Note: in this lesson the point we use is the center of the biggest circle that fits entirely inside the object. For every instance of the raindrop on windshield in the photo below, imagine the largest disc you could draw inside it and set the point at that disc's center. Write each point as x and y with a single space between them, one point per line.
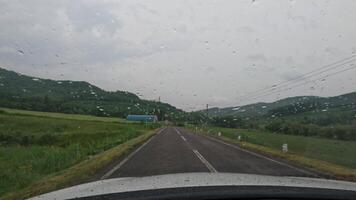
21 52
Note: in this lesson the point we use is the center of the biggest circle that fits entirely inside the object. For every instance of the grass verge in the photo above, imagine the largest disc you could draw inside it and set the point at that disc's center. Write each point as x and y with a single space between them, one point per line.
78 172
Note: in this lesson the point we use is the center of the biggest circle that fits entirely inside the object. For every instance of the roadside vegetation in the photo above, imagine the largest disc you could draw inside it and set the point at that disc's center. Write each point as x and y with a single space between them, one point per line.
36 145
317 148
320 132
335 157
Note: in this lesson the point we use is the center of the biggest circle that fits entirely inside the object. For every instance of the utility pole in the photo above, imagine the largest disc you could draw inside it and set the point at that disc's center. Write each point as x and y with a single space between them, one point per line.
207 110
207 114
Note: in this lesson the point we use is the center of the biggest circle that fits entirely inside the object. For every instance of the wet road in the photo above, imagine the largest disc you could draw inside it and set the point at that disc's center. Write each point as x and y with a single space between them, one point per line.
177 150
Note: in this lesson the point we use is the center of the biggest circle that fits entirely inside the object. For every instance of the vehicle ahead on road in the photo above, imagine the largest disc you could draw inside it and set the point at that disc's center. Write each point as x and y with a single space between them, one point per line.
207 186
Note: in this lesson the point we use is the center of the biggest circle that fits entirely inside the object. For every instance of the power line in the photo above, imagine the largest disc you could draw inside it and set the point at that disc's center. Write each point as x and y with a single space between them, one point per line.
306 75
298 85
310 74
304 78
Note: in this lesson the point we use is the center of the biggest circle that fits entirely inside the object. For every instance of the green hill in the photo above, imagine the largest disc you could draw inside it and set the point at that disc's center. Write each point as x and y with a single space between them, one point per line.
288 106
79 97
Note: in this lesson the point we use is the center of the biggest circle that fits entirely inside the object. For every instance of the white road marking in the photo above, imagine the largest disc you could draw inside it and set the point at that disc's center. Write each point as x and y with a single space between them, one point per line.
110 172
204 161
196 152
178 131
267 158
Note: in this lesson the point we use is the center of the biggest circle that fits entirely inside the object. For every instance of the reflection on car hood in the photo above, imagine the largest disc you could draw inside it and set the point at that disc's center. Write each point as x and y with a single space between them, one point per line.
119 185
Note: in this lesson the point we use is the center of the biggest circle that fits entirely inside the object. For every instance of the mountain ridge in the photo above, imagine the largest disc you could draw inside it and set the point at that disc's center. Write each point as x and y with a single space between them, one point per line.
32 93
263 108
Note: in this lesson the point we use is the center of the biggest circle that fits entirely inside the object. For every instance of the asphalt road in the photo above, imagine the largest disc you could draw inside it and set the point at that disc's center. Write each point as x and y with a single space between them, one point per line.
177 150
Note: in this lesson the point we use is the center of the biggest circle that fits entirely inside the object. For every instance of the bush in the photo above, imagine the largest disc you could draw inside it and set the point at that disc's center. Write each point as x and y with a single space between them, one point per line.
294 128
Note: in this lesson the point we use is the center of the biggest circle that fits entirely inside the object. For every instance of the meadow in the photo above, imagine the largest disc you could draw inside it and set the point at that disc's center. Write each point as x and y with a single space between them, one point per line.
34 145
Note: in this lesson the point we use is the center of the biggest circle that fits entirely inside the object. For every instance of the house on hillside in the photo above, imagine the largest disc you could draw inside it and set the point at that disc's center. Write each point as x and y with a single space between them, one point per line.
142 118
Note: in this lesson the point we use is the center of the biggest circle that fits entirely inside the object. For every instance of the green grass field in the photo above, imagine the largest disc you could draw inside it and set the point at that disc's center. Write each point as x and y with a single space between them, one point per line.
63 116
332 151
34 145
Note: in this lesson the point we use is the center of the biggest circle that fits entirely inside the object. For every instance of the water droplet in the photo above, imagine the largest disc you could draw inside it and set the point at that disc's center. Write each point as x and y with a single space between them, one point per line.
236 108
21 52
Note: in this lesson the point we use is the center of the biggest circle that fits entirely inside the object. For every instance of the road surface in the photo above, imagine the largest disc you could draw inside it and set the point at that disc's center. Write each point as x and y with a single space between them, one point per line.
177 150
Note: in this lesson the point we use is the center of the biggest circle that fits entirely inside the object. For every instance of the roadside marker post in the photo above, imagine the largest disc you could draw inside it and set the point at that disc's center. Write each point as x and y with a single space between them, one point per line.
285 148
239 138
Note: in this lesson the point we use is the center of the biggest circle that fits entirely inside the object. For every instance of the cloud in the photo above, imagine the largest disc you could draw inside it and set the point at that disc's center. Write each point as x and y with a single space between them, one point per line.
245 29
257 58
160 46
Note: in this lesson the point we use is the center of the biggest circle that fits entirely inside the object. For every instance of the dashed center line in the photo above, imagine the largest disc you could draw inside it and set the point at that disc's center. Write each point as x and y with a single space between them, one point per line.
196 152
204 161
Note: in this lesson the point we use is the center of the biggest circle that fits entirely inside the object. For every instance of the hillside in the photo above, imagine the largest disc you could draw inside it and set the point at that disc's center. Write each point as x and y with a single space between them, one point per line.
291 105
79 97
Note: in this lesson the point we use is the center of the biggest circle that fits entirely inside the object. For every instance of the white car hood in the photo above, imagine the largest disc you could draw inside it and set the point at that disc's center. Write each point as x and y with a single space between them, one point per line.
119 185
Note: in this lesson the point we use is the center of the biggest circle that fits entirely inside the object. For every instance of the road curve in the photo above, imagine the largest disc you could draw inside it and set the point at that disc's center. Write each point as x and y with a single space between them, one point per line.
177 150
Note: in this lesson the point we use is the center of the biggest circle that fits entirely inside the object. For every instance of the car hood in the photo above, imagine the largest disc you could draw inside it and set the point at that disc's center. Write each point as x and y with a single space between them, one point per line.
119 185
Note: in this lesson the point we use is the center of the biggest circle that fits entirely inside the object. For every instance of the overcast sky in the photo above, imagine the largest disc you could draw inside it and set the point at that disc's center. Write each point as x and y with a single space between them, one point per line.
188 52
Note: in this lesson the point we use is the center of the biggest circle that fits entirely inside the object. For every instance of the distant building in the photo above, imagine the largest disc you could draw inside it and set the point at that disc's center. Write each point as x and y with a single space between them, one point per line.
142 118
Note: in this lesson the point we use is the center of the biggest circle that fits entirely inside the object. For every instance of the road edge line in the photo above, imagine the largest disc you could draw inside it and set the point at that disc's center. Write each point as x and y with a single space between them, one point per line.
118 166
264 157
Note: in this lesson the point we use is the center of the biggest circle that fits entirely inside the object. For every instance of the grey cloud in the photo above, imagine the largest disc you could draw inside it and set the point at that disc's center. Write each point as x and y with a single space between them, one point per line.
86 16
245 29
139 45
257 58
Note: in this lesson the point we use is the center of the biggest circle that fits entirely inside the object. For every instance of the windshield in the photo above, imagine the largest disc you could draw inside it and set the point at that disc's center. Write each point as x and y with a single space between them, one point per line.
94 90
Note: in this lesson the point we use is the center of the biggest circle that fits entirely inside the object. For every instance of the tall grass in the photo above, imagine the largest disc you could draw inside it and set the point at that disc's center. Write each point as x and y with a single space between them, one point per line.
35 146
